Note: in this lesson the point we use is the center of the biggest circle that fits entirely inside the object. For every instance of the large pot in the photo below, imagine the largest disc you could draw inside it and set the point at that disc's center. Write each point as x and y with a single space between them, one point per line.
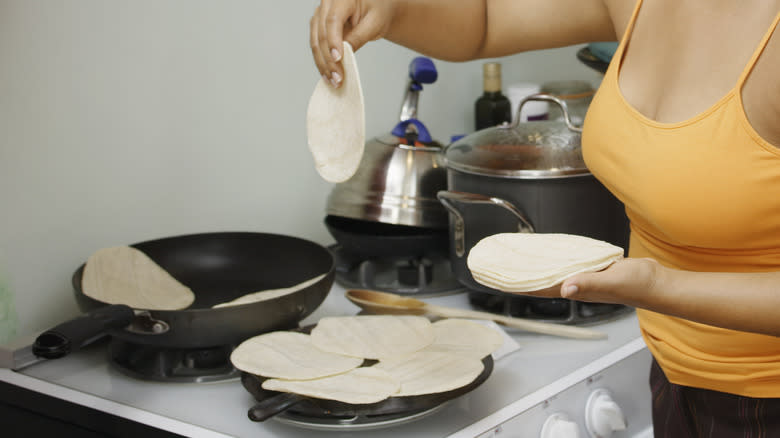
527 177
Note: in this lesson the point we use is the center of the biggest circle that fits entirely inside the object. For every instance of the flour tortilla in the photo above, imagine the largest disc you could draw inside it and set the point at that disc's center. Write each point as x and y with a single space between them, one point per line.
524 262
373 336
289 355
431 372
358 386
125 275
464 337
336 125
269 294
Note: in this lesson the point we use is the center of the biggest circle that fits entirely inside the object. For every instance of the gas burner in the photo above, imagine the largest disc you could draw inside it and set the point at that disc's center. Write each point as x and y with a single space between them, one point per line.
358 422
548 309
172 365
428 275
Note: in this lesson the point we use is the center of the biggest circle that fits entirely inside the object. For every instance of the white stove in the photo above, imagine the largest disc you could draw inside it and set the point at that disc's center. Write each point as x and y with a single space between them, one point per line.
548 383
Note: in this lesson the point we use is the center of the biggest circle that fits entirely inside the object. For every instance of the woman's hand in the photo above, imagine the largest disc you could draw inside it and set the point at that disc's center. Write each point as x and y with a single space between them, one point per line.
354 21
626 281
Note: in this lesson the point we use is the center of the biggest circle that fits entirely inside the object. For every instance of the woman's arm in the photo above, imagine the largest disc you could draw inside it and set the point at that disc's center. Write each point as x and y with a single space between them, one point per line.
740 301
455 30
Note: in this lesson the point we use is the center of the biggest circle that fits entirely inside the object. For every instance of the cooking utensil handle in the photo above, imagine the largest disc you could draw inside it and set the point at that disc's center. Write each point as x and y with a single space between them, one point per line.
76 333
524 324
446 197
271 406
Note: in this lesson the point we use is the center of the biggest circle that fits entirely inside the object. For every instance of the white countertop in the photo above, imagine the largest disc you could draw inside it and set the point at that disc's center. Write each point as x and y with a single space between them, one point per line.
219 409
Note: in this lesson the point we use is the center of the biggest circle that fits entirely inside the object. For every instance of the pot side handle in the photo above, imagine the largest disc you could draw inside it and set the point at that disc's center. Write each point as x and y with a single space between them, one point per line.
448 197
83 330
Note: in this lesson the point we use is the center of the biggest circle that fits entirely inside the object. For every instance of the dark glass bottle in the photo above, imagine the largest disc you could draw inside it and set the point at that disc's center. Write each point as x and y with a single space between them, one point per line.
492 108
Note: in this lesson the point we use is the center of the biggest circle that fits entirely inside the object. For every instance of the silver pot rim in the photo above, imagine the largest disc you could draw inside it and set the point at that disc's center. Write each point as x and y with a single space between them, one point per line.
520 174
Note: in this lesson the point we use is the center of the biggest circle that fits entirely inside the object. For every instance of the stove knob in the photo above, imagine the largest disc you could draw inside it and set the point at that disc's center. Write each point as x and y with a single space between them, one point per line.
559 426
602 415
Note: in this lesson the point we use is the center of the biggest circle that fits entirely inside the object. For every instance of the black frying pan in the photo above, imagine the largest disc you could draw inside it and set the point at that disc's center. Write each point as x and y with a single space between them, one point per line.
218 267
272 403
366 239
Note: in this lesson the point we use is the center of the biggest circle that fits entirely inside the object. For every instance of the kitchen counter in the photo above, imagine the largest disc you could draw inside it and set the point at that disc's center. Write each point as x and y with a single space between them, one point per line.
543 366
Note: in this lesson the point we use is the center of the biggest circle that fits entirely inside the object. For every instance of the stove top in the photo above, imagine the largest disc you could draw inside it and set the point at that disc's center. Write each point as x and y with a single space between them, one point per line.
171 364
357 422
429 275
219 409
557 310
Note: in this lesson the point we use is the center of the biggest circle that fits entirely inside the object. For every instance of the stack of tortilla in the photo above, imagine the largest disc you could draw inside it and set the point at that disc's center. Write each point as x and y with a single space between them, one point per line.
524 262
414 356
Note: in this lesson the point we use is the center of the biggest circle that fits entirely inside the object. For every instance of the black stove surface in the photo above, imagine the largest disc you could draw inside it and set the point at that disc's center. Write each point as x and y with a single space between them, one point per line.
424 275
171 364
547 309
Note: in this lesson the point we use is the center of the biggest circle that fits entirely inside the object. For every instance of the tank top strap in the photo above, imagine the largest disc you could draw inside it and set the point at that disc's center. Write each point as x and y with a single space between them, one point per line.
621 50
757 52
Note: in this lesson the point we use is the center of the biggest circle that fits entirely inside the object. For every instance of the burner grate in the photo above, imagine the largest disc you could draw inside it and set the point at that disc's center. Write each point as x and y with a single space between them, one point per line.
424 276
172 365
358 422
556 310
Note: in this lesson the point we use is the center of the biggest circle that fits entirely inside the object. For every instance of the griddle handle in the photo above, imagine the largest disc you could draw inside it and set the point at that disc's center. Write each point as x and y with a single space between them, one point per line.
83 330
271 406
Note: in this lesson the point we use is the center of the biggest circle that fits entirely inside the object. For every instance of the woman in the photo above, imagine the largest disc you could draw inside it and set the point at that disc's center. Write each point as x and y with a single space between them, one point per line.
684 130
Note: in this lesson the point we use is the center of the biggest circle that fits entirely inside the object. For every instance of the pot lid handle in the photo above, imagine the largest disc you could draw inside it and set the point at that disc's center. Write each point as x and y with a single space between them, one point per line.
548 98
401 129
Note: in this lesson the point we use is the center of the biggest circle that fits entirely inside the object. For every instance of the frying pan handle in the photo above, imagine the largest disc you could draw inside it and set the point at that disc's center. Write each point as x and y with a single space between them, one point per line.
83 330
271 406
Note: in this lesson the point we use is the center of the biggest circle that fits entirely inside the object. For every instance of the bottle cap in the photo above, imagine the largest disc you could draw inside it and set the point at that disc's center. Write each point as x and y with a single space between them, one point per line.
491 72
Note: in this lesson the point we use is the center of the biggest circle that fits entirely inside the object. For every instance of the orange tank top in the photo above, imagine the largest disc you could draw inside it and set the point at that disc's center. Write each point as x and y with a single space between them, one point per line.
701 195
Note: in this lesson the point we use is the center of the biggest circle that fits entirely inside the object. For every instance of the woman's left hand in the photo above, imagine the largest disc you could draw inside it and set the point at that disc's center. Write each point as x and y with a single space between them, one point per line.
622 282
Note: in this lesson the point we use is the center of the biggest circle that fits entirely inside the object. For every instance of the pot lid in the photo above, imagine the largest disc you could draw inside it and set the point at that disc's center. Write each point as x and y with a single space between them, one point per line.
532 150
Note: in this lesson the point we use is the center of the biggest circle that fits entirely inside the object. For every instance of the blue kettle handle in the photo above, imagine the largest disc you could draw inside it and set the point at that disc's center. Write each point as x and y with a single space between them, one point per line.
422 132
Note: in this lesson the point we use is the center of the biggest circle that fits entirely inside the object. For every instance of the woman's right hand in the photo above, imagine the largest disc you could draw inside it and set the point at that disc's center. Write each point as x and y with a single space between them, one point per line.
354 21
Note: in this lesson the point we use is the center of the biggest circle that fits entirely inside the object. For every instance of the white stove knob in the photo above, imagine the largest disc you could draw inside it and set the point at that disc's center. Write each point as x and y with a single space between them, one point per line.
559 426
602 415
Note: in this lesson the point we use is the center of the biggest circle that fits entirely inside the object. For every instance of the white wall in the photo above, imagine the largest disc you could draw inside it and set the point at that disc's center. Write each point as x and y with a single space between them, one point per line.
123 121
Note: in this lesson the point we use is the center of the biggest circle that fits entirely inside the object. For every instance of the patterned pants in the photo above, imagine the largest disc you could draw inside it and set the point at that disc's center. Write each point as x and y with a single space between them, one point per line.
685 412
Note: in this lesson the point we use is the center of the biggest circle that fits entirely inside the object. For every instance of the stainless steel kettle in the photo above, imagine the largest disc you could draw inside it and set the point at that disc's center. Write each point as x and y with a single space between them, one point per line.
400 172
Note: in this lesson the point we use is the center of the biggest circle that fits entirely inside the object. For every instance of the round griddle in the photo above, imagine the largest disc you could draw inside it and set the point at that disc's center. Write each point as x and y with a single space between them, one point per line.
271 403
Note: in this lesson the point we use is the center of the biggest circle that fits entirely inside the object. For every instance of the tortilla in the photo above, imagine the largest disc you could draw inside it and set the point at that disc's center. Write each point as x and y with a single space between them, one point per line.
269 294
464 337
430 372
359 386
125 275
373 336
289 355
524 262
335 123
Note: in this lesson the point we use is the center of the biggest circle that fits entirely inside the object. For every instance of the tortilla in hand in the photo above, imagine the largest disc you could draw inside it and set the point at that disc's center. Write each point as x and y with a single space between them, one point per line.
525 262
336 123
